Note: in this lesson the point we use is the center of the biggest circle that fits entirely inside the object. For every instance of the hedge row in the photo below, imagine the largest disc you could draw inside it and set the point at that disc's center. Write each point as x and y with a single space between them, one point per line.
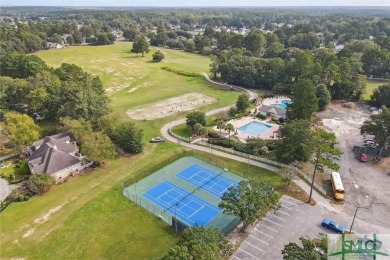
181 72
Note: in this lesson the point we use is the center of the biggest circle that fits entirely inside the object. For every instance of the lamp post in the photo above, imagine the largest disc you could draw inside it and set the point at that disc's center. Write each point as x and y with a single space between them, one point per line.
176 217
360 207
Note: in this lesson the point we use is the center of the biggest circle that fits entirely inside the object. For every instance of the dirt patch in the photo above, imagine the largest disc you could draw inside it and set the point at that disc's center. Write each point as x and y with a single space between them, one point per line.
146 84
363 182
169 106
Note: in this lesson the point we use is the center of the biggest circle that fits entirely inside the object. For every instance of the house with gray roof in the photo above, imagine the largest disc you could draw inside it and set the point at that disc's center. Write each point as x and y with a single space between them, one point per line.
276 112
56 155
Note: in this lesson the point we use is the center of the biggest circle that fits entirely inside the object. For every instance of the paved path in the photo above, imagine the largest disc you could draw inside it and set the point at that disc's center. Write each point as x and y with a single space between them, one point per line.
6 189
252 94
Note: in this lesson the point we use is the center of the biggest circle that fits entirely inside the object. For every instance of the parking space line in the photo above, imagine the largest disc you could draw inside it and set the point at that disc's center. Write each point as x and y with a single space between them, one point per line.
284 213
259 240
273 214
236 257
270 228
286 207
289 202
254 246
264 233
273 222
248 253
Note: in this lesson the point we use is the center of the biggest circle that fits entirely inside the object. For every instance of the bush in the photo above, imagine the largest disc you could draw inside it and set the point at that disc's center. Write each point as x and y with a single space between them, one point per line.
20 197
281 120
259 115
158 56
232 111
40 183
26 197
18 180
18 164
129 137
223 142
13 196
181 72
213 134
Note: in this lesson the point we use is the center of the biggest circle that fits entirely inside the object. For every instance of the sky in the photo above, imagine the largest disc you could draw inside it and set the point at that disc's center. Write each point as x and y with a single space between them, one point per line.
188 3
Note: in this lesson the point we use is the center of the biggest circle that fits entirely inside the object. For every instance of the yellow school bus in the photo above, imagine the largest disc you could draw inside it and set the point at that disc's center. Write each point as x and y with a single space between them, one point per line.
337 185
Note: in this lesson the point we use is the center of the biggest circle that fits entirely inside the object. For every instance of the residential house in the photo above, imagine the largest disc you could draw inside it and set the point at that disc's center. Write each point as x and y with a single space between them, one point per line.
276 112
56 155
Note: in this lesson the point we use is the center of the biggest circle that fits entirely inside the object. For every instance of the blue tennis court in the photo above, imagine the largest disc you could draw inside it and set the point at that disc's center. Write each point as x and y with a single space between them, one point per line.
206 179
190 208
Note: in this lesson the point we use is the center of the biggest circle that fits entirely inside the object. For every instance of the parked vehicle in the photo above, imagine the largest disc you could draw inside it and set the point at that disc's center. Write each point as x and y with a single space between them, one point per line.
329 224
157 139
369 141
363 157
337 185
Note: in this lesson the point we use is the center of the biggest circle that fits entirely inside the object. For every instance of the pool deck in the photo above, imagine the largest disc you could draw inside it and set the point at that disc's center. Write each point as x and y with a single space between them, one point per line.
237 123
274 100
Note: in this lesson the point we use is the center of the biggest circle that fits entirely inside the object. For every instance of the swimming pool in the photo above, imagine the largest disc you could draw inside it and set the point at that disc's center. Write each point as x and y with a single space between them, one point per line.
283 104
254 128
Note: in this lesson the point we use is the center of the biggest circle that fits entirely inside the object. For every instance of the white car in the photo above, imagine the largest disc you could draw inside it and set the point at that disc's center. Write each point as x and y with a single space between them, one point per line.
157 139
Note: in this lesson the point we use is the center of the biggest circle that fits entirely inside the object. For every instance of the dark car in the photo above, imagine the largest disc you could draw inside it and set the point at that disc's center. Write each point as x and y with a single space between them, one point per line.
329 224
157 139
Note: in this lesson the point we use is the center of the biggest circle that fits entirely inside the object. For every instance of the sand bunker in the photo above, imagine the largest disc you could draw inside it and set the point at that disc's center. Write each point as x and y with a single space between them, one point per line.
169 106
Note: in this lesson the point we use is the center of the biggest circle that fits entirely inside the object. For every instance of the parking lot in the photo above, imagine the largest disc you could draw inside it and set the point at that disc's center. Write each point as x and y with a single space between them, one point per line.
293 220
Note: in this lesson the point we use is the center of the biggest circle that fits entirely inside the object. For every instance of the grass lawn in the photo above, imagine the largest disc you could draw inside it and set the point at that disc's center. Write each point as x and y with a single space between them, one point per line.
371 85
10 169
87 216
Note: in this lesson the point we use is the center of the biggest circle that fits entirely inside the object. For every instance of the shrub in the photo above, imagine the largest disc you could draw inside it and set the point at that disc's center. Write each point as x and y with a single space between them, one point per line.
40 183
18 180
17 165
232 111
281 120
158 56
20 197
223 142
259 115
13 196
26 197
181 72
213 134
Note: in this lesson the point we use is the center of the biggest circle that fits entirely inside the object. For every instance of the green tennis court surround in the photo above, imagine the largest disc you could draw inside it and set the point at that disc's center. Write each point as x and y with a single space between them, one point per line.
189 190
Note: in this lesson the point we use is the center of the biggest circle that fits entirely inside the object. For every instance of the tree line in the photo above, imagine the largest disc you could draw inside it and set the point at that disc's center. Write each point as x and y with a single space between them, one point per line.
67 95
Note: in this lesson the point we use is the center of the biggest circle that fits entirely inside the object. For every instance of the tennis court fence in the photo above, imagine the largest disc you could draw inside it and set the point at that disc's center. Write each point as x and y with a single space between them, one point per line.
151 207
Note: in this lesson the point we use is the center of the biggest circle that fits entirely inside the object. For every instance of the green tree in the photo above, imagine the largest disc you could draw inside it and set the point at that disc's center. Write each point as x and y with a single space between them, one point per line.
20 129
177 252
200 243
229 128
158 56
189 45
315 249
97 146
128 137
221 125
242 103
324 153
323 96
195 117
379 125
203 132
40 183
248 200
140 45
381 95
295 143
37 97
305 102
